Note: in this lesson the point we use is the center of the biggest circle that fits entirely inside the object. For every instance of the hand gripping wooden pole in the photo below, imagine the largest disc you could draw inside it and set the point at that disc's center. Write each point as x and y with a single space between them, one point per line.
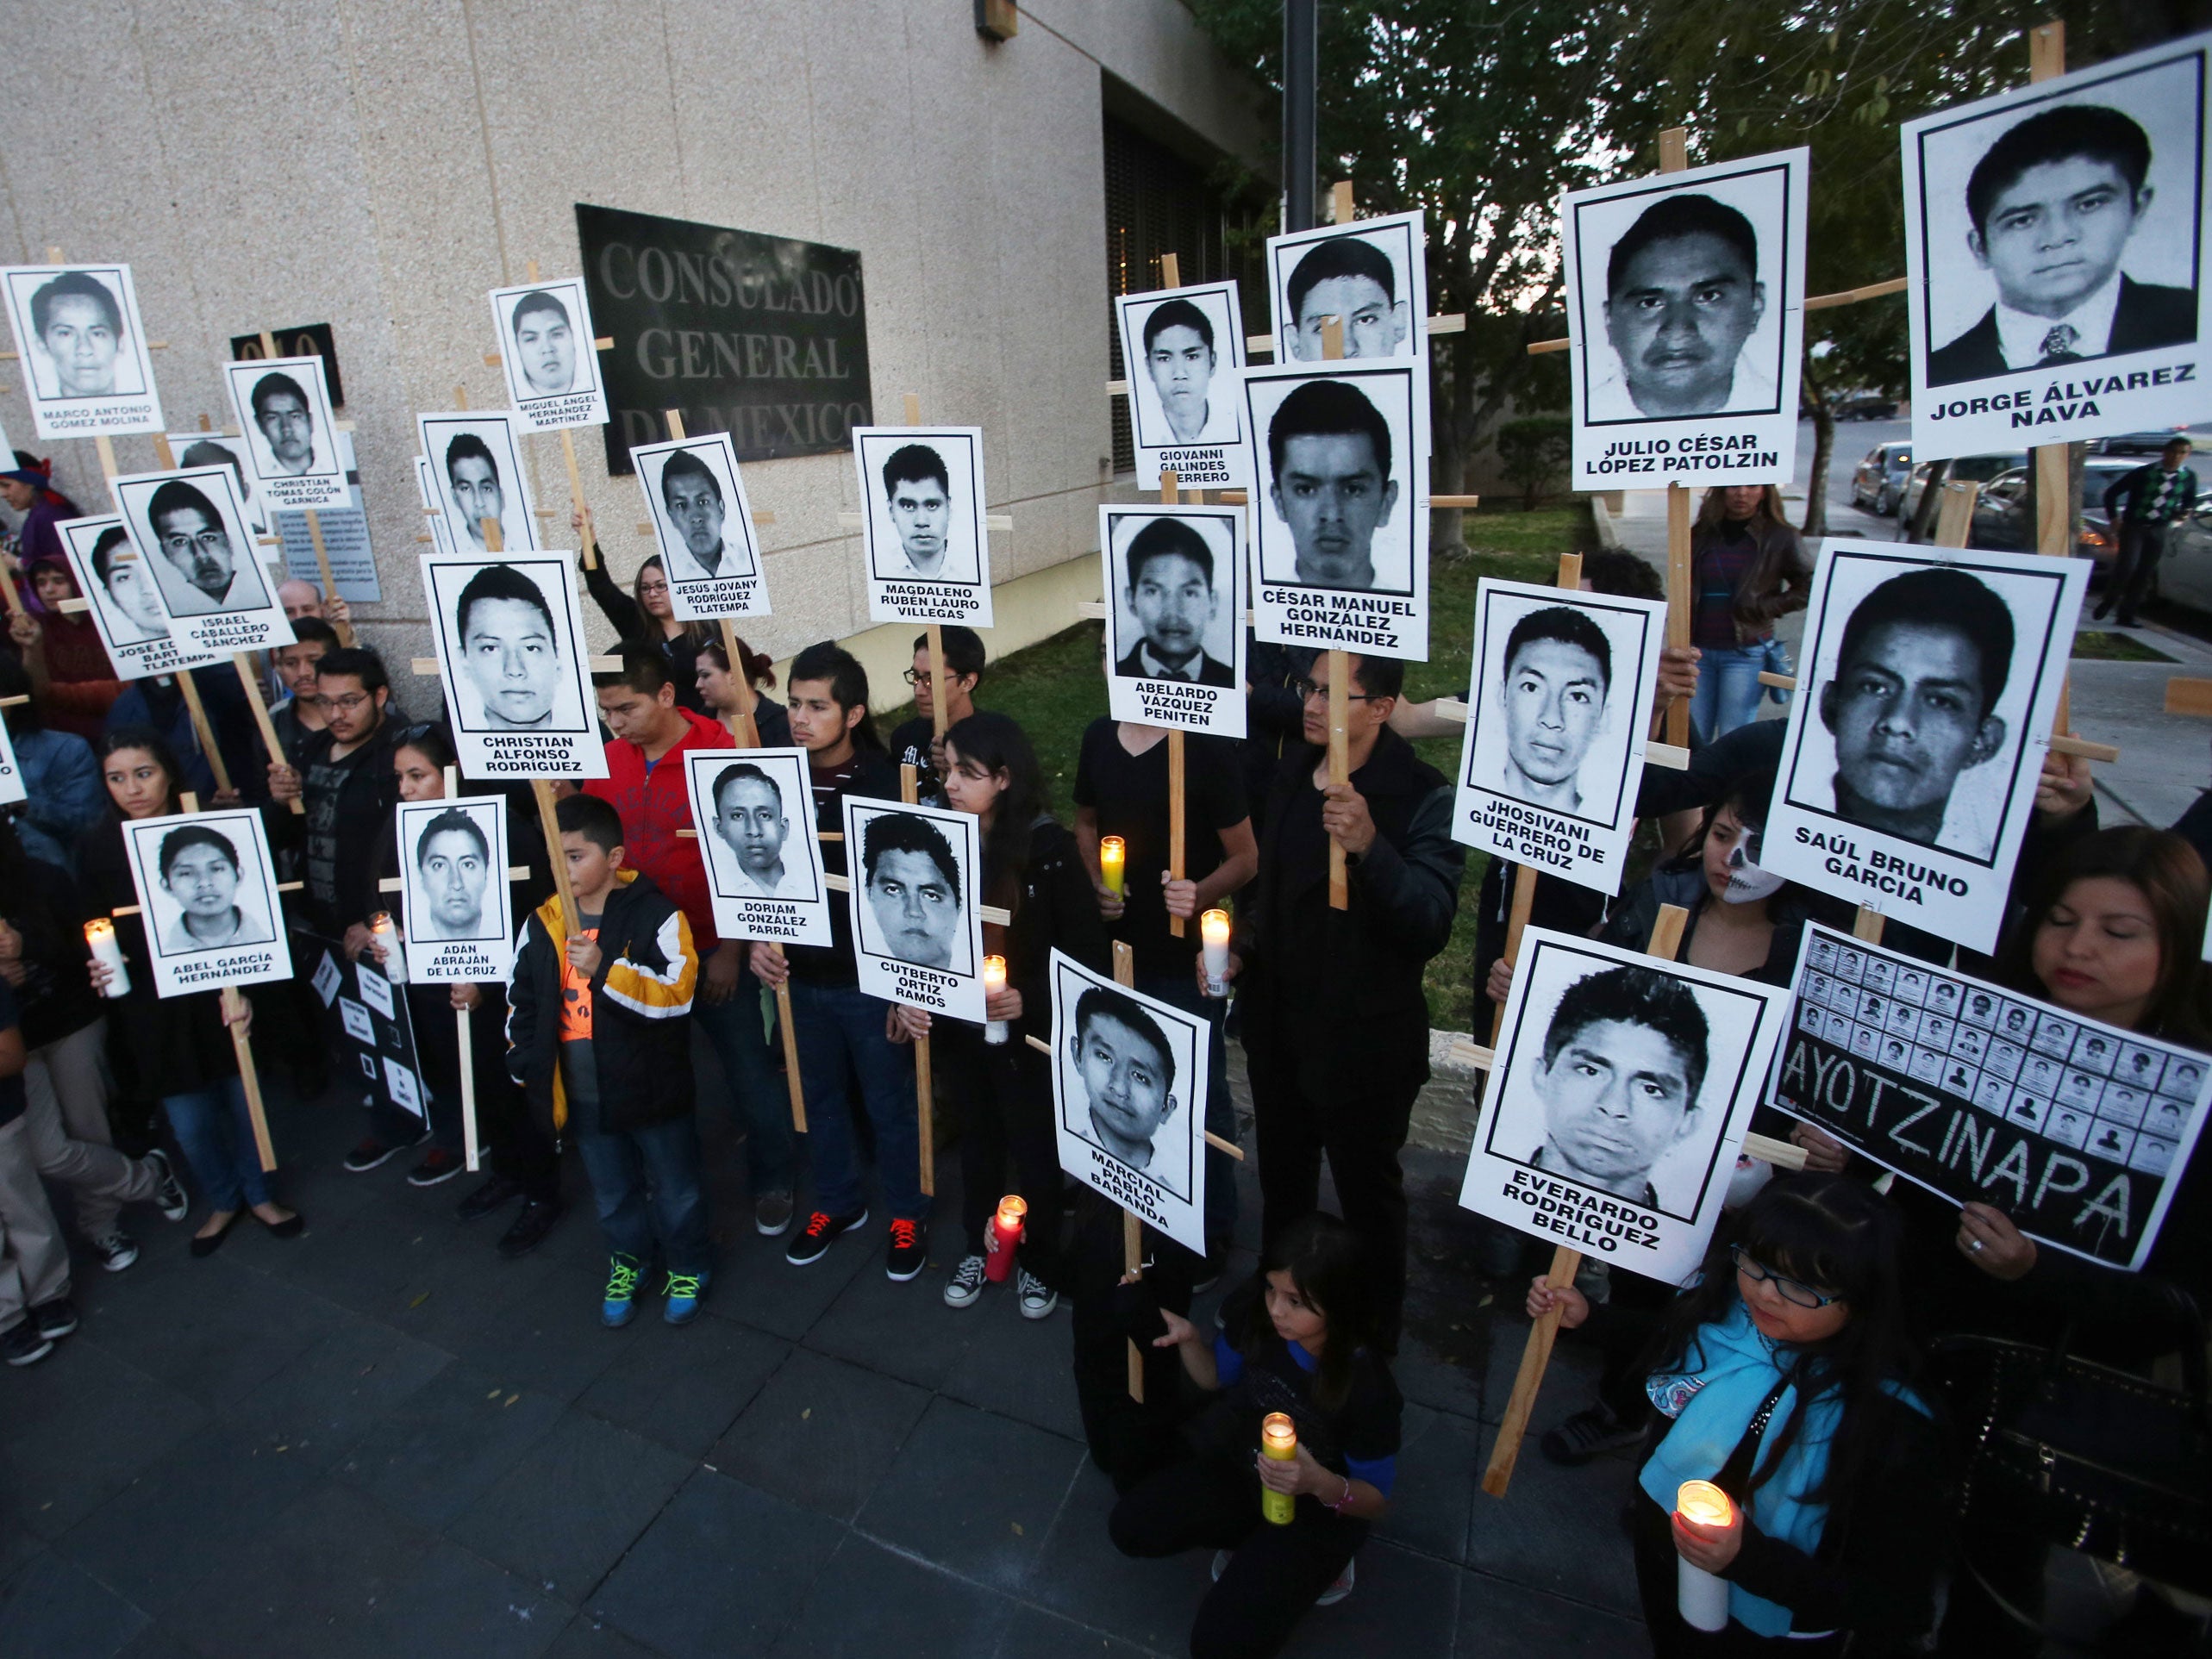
1132 1227
925 1093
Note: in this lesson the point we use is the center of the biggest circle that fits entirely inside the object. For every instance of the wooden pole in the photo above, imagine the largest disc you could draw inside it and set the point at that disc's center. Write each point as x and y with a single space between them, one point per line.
1177 850
925 1099
1132 1227
345 630
1340 661
1673 149
232 1003
466 1044
1666 940
2054 487
243 662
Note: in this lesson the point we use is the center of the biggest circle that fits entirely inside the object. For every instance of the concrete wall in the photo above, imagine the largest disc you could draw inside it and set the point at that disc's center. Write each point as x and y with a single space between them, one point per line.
382 164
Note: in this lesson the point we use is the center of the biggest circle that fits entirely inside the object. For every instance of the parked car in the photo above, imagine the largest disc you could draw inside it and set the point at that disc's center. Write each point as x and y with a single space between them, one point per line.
1965 468
2185 574
2004 514
2136 443
1880 479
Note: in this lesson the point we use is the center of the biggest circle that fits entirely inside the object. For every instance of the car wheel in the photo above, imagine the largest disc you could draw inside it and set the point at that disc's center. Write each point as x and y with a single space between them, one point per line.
1884 504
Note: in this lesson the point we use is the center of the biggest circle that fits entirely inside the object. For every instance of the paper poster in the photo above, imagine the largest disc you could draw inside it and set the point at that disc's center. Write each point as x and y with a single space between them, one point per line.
1183 348
189 528
1618 1102
923 524
1130 1099
753 810
1928 681
546 347
283 408
1371 275
1685 308
2076 1130
375 1041
1341 541
126 606
476 468
82 350
1558 702
207 892
704 526
12 788
229 449
1175 615
2054 253
345 531
455 903
917 936
511 657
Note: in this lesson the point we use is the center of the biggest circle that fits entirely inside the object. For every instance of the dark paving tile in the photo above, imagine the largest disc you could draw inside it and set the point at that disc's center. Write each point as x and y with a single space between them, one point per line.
548 1334
156 1642
756 1285
78 1428
721 1573
54 1606
821 1433
1500 1620
1018 1368
1557 1530
684 1389
326 1398
973 1493
441 1449
563 1516
1034 1632
19 1548
1149 1604
591 1636
1401 1603
1439 1469
456 1279
359 1258
869 1601
457 1602
231 1329
1445 1381
904 1329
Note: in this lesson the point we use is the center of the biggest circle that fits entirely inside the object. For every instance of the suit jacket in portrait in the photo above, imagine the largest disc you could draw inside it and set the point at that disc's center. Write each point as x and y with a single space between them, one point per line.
1210 671
2147 316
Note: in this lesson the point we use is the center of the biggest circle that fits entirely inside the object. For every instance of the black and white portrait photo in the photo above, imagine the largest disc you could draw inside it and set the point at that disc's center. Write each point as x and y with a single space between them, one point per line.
291 439
189 527
545 345
476 467
83 351
1371 277
453 872
126 606
922 522
918 936
704 526
1928 682
1340 539
2055 240
207 892
1128 1093
1618 1101
1685 302
753 810
1175 615
229 449
1558 702
1184 347
511 657
12 786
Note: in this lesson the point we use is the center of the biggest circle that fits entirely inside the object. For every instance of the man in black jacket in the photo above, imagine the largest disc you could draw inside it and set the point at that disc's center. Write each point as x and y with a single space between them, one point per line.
1336 1020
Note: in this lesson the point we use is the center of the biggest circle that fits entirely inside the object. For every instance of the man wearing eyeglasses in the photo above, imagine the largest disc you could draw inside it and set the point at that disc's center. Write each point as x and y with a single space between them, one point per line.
199 571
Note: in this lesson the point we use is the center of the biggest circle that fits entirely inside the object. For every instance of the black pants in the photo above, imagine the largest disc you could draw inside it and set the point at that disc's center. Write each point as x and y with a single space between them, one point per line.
1658 1585
1005 1093
1127 1440
2135 567
1276 1573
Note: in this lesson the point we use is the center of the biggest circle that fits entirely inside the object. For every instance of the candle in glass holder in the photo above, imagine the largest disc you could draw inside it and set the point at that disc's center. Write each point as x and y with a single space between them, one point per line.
100 935
994 981
1278 1439
386 934
1112 856
1005 1234
1214 933
1702 1597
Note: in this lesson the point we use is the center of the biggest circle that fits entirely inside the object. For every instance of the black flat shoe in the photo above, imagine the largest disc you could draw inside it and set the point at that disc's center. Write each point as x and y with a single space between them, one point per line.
291 1227
208 1245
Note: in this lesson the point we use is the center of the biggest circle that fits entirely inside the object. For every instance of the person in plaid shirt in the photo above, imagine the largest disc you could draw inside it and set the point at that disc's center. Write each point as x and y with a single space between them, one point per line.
2139 507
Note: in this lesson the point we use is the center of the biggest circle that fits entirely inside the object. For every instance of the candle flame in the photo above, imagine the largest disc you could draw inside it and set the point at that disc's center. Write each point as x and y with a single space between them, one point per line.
1279 1432
98 928
1703 1502
1214 927
1011 1209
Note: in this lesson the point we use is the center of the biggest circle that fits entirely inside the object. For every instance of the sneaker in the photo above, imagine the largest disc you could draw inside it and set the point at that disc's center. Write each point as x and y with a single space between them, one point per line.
439 1165
493 1195
821 1231
772 1215
369 1154
621 1306
909 1250
1590 1432
22 1344
55 1318
1038 1300
531 1228
1338 1591
966 1283
116 1250
170 1193
684 1291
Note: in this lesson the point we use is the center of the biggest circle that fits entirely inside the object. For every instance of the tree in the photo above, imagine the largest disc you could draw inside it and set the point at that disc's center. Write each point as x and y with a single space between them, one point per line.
1531 451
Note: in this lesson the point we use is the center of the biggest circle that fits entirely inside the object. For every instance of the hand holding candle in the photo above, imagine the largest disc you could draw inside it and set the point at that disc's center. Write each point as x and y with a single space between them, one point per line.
1112 859
100 936
1005 1237
1278 1442
1701 1510
993 981
1214 934
386 934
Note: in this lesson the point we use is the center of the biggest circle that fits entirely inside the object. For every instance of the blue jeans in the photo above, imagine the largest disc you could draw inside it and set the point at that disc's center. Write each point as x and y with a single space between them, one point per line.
843 1047
763 1105
217 1132
1728 690
665 1159
1182 991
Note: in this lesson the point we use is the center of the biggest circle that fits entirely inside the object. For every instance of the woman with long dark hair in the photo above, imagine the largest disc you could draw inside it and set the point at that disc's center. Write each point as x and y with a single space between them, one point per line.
646 616
1748 567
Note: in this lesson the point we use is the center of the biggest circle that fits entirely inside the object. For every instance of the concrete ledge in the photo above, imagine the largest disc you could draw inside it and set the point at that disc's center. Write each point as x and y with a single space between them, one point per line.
1601 514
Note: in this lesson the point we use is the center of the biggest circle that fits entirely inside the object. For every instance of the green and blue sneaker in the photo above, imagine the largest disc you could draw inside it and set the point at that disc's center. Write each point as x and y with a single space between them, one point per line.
621 1306
684 1291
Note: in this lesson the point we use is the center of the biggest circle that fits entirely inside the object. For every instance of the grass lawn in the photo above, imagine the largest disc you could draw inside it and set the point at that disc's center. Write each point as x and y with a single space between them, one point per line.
2102 645
1058 687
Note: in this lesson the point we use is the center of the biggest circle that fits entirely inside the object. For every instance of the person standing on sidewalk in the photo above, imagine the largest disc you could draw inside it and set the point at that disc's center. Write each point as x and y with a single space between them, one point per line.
2141 505
1747 568
35 1306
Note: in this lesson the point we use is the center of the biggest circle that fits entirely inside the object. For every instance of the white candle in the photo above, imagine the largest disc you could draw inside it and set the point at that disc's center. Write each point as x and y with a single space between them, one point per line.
994 981
100 934
1214 934
1702 1597
395 953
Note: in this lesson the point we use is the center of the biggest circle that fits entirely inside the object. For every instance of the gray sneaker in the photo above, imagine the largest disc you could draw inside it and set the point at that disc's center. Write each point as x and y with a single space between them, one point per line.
1038 1301
170 1193
772 1215
966 1283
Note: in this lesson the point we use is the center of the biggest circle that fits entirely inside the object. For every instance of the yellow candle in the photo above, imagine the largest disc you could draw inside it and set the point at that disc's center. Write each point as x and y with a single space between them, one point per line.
1112 855
1279 1440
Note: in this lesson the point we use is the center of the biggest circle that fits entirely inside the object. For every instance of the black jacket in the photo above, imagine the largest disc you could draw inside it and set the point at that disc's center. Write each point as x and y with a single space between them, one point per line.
1057 910
341 873
681 652
1211 670
2146 317
876 778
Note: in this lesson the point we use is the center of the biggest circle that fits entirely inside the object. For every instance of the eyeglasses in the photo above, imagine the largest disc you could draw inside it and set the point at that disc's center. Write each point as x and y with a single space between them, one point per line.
1792 1291
1307 689
345 705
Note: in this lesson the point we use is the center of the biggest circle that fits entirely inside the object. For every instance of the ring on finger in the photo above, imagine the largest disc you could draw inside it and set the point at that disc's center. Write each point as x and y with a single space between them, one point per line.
1974 1246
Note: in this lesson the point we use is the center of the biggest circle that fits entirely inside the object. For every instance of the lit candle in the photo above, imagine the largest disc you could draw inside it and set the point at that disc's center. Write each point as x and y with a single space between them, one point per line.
1214 930
1278 1439
994 981
1702 1597
1004 1236
100 934
386 934
1112 853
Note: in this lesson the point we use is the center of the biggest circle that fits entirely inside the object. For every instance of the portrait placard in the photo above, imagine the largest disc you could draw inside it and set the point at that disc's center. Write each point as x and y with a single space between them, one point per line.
545 347
1685 312
1175 615
704 526
1928 682
917 936
225 449
86 370
1341 540
290 436
2055 239
457 905
1558 702
1129 1098
753 811
125 605
365 1022
1618 1102
189 528
511 657
921 524
476 468
2076 1130
1183 348
207 892
12 788
1372 275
